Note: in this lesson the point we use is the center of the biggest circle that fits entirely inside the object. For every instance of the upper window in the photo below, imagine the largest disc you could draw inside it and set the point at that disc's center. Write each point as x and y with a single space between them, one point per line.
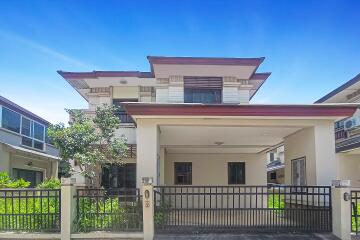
32 133
202 89
10 120
236 173
183 173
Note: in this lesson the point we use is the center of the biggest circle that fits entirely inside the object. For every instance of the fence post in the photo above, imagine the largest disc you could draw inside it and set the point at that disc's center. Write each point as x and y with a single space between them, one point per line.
341 209
68 207
148 208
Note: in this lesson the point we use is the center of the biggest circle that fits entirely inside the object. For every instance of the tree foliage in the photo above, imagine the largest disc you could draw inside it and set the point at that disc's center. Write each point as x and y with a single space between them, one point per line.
89 142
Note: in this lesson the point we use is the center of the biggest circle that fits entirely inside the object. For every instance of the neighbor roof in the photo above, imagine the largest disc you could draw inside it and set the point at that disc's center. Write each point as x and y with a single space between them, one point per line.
339 89
13 106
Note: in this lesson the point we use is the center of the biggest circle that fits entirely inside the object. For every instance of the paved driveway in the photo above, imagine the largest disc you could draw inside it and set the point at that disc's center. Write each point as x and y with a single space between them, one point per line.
260 236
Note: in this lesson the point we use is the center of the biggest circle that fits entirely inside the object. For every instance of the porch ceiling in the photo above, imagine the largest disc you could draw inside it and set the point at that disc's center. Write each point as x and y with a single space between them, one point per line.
221 139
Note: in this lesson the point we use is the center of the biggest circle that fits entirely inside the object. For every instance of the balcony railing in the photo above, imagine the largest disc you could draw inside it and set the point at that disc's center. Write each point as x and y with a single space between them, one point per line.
346 139
124 117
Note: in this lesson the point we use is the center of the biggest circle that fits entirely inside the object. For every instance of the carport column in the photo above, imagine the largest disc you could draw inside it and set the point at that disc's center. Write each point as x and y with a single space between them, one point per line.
147 158
148 208
68 207
341 209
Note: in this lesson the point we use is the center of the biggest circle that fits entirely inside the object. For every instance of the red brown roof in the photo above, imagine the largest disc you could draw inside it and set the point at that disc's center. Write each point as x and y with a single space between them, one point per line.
205 61
96 74
240 110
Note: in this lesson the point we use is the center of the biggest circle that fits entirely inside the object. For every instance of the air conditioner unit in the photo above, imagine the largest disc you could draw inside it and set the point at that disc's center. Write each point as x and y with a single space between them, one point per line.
351 123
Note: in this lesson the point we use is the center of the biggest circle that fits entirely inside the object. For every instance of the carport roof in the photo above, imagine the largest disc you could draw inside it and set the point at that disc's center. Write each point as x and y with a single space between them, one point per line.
254 110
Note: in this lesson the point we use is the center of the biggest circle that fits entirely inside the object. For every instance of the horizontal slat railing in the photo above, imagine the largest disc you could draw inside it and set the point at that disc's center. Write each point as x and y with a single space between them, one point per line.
31 210
117 209
243 208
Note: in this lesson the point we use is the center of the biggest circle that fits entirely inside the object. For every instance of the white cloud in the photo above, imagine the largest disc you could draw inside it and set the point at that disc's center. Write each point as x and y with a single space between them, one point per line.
46 50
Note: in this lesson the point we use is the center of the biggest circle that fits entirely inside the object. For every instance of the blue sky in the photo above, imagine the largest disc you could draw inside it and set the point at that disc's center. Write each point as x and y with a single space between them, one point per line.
311 47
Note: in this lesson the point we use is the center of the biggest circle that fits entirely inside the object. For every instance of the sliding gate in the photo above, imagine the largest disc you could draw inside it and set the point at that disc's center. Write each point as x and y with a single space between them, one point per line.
201 209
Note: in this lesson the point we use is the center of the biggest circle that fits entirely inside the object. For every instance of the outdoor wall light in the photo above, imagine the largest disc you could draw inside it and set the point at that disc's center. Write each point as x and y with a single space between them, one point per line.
347 196
147 194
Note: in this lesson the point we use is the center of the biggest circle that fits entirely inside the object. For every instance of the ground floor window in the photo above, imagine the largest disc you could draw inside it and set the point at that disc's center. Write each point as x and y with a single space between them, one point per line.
34 177
236 173
119 176
183 173
273 175
298 171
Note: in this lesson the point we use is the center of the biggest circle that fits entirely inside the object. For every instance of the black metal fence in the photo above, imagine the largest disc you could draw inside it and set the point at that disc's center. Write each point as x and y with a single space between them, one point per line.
355 211
31 210
243 208
112 210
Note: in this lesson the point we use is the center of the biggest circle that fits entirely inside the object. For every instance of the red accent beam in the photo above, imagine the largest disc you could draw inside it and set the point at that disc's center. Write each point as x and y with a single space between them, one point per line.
240 110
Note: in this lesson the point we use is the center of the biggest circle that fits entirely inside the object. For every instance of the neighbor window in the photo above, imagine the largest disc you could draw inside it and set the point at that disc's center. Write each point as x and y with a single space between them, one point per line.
236 173
183 173
34 177
115 176
10 120
32 133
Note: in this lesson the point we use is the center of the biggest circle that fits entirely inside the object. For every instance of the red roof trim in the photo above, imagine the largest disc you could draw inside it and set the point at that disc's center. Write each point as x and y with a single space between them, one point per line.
96 74
205 60
240 110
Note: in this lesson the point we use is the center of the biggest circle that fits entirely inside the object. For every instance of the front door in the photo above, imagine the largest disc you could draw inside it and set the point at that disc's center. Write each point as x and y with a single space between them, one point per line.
115 176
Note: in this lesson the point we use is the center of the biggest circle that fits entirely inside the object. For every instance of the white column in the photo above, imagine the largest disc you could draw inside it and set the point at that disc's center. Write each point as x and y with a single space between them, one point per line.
341 209
148 208
68 207
326 163
147 150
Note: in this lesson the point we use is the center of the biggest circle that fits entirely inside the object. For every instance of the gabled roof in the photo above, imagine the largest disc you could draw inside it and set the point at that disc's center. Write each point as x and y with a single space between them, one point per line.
13 106
339 89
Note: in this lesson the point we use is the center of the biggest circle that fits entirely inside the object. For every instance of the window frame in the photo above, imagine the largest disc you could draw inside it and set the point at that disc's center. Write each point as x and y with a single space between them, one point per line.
187 174
243 179
2 120
30 170
21 134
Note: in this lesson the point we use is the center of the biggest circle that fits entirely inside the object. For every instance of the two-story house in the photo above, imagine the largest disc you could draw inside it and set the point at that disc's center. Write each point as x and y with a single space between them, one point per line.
189 122
25 150
347 131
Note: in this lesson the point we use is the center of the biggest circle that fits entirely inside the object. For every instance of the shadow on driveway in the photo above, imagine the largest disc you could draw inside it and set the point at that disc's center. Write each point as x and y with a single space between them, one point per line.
259 236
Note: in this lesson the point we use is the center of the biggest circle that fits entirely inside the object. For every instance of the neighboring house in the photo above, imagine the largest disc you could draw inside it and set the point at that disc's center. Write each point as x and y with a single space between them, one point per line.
276 165
347 131
189 122
25 151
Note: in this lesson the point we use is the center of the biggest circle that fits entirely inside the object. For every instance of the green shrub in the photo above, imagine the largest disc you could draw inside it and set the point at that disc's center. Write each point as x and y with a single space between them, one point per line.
7 182
51 183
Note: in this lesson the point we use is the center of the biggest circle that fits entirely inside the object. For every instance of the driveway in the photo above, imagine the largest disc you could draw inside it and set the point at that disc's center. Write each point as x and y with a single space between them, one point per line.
259 236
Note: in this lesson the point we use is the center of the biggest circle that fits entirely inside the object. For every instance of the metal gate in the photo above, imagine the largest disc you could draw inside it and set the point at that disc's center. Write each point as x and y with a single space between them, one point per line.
201 209
355 212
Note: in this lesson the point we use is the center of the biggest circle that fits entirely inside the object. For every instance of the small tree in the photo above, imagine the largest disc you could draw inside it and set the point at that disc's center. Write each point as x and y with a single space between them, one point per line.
89 142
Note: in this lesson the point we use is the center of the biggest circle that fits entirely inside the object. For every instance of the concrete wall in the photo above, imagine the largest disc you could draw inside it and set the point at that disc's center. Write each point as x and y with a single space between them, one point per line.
211 169
297 145
349 168
317 145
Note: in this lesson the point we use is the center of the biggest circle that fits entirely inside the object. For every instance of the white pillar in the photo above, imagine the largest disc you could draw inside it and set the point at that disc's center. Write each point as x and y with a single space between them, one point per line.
148 208
68 207
341 209
147 138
